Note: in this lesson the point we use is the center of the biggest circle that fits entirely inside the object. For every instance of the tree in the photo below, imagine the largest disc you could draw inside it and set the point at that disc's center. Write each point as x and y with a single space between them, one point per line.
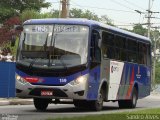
29 14
157 79
9 8
33 14
52 14
78 13
7 32
105 19
139 29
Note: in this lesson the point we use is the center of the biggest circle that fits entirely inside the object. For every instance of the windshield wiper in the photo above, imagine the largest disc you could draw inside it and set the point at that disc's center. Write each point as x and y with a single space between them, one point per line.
45 46
53 42
32 63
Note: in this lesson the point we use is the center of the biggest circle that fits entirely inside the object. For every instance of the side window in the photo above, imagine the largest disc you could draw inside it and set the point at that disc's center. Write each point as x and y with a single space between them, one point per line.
148 54
108 50
95 50
120 41
132 45
142 53
108 38
120 45
132 50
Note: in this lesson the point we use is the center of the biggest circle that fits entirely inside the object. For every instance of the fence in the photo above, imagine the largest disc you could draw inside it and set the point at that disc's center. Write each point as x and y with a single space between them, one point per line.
7 79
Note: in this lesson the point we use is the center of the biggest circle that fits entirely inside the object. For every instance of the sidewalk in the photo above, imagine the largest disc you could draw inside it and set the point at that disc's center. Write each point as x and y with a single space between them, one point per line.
154 95
15 101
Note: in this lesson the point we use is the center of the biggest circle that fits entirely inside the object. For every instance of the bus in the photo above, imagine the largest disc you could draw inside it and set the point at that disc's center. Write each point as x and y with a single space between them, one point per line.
83 62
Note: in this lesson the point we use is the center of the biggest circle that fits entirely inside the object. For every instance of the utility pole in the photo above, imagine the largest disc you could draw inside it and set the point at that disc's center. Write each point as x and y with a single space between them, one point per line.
68 7
149 18
60 8
65 8
155 40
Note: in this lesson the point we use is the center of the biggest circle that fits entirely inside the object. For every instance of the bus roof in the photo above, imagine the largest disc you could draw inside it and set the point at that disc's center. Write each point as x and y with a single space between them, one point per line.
81 21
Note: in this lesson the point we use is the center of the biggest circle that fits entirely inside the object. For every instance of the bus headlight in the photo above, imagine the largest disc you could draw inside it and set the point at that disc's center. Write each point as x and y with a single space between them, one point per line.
79 80
20 79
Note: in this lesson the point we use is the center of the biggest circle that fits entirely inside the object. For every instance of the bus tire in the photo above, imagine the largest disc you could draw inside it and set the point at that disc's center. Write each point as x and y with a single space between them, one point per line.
97 105
79 103
129 103
41 104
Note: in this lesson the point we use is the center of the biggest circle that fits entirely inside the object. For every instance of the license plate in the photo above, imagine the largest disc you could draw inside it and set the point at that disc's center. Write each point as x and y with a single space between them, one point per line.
46 93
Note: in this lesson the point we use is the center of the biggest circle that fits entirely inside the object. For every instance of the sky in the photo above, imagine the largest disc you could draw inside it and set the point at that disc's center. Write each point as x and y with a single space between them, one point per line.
121 12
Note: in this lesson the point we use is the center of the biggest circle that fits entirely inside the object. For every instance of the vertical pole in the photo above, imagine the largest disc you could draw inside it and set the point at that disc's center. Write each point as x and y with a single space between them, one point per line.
64 9
149 18
60 2
68 7
154 61
153 58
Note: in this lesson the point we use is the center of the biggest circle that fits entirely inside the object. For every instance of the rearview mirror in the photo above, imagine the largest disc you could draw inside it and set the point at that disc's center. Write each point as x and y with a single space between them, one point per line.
19 28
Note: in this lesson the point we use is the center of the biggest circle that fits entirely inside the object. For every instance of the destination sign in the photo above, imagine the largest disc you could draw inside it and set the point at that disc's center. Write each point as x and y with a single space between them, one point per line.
40 28
66 28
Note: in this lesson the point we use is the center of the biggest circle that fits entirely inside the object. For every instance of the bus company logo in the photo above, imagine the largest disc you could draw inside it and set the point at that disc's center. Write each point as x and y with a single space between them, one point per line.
138 75
114 69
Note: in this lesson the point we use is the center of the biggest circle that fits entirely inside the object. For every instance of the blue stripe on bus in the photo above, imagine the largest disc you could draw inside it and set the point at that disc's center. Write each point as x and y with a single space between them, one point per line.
93 83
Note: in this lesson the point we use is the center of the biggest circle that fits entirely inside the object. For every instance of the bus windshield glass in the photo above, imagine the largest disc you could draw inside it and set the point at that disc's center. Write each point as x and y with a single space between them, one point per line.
53 46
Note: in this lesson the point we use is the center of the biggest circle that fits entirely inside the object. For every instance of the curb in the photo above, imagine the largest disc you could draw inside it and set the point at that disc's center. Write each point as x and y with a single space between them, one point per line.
4 102
16 102
21 102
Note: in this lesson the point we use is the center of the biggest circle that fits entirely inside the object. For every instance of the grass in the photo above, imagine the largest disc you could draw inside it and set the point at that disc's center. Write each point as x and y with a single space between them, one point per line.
146 114
147 111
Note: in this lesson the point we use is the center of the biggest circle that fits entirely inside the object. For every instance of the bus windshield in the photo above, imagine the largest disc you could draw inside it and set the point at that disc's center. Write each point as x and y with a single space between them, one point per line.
53 46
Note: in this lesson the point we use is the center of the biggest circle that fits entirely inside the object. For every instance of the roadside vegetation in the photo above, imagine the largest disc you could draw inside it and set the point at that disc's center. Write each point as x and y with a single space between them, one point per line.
146 114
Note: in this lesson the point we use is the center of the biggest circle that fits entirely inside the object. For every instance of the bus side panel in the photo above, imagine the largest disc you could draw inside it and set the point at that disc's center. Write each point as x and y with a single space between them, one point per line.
134 74
93 83
127 82
143 78
116 70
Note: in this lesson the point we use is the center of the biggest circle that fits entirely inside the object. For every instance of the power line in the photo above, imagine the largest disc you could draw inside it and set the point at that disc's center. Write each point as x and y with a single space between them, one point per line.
121 4
133 4
125 25
116 10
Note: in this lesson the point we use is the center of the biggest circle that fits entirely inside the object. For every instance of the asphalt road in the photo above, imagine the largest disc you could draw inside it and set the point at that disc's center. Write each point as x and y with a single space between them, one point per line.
28 112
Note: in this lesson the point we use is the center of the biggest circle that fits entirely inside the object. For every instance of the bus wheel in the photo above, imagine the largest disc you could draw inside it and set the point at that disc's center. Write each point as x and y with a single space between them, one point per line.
129 103
41 104
80 104
97 105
